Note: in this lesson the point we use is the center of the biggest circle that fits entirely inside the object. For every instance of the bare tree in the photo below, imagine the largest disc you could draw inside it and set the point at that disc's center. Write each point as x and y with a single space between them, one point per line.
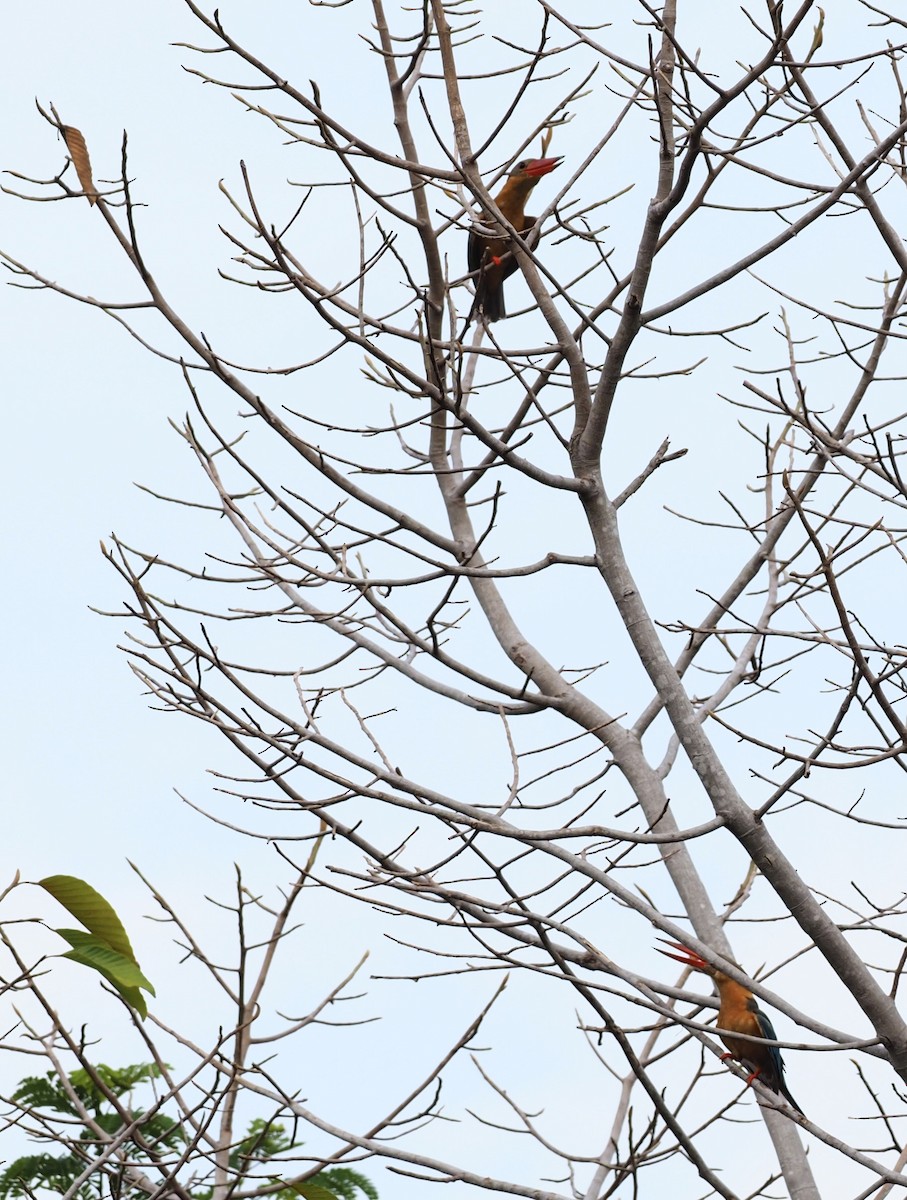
534 672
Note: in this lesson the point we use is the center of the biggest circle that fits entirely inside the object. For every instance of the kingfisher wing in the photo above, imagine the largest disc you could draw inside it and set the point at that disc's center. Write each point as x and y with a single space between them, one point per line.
474 248
530 233
773 1070
774 1075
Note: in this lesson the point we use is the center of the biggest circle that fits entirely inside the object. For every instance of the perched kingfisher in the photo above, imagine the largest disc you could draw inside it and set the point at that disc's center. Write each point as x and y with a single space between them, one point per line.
739 1012
492 256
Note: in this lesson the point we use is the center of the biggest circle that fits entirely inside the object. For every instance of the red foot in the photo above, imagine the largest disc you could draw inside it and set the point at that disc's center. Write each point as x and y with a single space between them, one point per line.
749 1079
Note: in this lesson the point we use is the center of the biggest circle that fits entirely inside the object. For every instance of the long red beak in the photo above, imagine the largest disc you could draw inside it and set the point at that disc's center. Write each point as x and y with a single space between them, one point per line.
537 167
688 957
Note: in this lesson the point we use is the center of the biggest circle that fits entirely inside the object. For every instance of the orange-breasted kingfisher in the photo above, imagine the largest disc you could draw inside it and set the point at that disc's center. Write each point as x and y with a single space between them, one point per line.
492 256
739 1012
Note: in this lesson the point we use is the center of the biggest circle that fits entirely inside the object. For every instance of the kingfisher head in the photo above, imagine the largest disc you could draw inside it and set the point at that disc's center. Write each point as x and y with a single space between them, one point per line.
534 168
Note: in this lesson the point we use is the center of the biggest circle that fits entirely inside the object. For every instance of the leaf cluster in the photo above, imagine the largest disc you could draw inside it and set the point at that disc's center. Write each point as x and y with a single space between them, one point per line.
101 1094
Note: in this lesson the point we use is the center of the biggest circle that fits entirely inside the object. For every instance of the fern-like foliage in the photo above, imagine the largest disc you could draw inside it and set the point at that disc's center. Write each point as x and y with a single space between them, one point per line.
41 1172
60 1109
43 1095
345 1183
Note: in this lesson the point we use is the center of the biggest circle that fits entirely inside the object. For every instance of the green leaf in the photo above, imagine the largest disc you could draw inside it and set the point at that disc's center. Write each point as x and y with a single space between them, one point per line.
335 1183
345 1182
22 1177
95 952
44 1091
123 973
105 948
264 1140
313 1191
119 1080
90 909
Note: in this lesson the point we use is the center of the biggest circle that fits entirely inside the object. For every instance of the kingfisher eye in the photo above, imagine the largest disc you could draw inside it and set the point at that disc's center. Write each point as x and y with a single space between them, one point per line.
521 166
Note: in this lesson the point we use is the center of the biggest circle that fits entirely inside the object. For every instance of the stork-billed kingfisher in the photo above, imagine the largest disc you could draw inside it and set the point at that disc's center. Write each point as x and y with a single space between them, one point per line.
492 256
739 1012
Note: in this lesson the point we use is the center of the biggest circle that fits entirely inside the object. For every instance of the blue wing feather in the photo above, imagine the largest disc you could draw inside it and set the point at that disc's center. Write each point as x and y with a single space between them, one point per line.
774 1076
767 1030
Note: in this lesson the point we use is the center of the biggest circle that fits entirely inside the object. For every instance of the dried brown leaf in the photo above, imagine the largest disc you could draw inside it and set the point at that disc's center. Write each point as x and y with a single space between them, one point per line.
78 152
